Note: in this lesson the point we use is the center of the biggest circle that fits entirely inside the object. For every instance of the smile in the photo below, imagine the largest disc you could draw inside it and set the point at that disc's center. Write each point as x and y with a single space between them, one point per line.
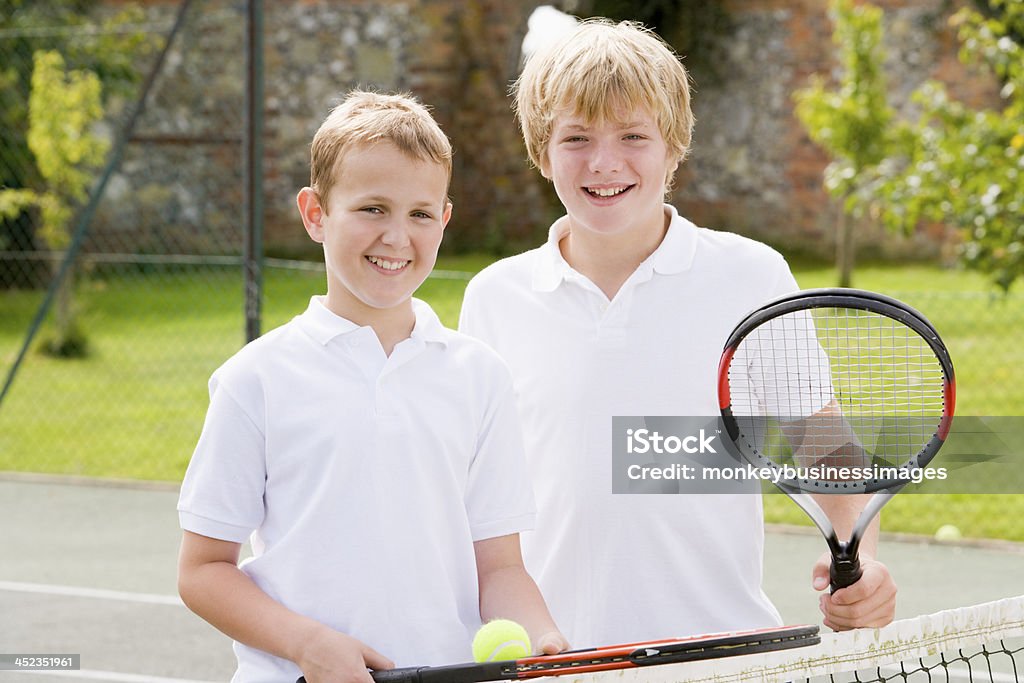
388 264
606 192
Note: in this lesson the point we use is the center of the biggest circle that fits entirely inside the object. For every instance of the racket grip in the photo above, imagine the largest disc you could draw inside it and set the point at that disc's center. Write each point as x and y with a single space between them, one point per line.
406 675
844 572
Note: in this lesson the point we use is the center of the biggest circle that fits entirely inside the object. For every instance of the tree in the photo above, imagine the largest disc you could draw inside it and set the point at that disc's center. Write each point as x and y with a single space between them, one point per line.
111 48
852 122
64 108
51 146
963 166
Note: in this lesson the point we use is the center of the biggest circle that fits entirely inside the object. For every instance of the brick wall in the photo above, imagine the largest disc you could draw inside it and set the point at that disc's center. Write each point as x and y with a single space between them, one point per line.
752 168
179 188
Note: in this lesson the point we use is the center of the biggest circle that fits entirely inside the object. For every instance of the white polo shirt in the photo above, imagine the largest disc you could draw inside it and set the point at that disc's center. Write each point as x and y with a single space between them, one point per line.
362 479
621 568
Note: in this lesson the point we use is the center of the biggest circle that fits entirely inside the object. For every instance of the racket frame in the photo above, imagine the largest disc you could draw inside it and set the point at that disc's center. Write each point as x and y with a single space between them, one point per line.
613 657
845 569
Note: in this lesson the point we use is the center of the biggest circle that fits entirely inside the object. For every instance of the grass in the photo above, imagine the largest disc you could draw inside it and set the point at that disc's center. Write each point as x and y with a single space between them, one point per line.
134 408
980 327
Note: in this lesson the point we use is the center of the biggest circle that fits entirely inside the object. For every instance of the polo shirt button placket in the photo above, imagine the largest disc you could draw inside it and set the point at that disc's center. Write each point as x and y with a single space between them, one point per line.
610 329
379 407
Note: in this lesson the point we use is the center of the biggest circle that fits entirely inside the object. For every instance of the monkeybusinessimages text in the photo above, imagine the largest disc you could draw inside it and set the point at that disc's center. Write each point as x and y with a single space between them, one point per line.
649 442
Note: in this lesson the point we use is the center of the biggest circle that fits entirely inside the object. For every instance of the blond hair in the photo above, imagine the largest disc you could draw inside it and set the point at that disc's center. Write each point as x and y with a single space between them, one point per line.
365 118
600 71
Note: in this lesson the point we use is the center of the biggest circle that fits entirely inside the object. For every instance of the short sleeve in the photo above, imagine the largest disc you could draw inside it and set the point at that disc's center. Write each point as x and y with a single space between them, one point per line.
789 369
780 368
469 319
785 283
499 498
222 493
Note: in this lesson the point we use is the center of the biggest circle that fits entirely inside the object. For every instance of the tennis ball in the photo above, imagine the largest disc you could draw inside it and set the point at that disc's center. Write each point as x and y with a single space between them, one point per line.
500 640
948 532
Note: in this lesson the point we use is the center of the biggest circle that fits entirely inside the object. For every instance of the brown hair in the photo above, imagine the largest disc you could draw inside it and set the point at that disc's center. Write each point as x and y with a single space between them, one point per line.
367 117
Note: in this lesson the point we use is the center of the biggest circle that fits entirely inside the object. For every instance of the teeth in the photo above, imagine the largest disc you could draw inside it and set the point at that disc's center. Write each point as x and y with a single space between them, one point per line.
387 265
606 191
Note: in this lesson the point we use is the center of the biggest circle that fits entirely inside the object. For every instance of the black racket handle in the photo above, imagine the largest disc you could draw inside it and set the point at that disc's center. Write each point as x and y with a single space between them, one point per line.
454 673
844 572
406 675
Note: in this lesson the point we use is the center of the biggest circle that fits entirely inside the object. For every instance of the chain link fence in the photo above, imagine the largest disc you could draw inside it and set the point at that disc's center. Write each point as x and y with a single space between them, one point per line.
110 383
156 288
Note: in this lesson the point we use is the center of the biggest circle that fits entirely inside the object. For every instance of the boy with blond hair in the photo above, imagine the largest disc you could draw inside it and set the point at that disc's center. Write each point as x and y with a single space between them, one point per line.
371 456
624 311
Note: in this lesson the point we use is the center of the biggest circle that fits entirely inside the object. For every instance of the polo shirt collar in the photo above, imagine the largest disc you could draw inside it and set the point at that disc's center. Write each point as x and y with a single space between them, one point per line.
324 325
674 255
428 327
551 267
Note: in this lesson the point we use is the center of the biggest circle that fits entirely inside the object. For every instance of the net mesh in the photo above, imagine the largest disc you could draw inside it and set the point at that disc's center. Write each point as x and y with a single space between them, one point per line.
979 643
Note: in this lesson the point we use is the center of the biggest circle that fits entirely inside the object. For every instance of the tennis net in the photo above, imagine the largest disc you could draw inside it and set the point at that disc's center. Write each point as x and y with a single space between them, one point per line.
979 643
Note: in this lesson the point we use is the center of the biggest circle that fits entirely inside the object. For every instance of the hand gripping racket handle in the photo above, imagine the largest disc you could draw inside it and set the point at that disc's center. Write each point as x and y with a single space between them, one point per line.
843 572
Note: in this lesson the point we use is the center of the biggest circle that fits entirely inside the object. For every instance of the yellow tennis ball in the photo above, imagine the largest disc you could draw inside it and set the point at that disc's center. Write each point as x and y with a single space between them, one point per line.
948 532
500 640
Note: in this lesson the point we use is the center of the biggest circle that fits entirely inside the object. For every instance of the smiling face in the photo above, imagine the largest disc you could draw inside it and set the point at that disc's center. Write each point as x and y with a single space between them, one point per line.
610 174
381 230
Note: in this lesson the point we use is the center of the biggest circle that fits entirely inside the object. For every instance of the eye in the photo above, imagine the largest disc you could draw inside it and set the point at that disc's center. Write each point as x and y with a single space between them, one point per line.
635 137
574 139
421 214
372 209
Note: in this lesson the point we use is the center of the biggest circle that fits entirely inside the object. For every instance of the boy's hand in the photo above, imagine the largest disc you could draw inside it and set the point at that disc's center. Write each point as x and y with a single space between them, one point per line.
871 602
333 657
551 643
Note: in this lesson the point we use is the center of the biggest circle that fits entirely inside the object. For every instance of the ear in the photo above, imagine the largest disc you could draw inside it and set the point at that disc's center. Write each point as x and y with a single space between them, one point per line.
545 166
312 213
446 215
671 175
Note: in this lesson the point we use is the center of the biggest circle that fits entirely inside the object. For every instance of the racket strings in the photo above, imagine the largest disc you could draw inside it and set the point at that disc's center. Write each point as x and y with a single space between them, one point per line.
836 386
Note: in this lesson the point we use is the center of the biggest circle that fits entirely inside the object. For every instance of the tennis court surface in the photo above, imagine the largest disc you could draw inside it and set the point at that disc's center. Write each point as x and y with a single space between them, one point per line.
90 570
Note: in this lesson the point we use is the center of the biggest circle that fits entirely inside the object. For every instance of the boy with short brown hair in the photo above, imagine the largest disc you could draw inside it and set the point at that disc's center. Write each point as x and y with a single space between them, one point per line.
371 456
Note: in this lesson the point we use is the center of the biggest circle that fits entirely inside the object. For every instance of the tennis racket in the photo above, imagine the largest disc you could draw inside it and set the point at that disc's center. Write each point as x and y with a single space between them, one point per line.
837 391
608 658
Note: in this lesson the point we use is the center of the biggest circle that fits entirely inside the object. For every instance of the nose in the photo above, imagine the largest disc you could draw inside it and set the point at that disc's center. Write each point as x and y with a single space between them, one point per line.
605 158
396 233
